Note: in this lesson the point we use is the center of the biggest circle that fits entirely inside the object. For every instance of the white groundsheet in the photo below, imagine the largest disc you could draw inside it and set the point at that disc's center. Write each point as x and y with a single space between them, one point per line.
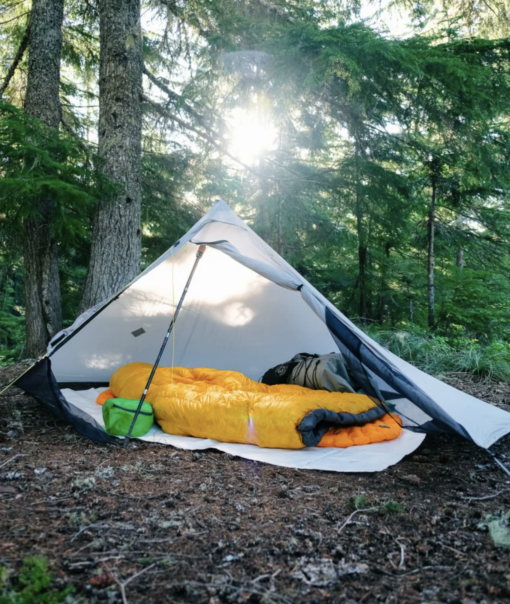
364 458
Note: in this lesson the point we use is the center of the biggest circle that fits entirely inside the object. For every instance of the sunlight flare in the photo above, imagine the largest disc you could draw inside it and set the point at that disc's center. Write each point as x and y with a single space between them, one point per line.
252 134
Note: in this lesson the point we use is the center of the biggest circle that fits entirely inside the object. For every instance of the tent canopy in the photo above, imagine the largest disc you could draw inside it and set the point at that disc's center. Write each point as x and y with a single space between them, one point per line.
246 310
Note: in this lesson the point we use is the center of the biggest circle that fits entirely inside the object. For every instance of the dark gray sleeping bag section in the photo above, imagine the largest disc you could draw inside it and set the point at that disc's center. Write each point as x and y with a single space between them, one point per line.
316 423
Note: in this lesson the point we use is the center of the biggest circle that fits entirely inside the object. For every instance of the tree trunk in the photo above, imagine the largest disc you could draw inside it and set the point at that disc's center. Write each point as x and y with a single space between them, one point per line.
383 293
43 312
431 257
460 258
362 246
116 237
362 266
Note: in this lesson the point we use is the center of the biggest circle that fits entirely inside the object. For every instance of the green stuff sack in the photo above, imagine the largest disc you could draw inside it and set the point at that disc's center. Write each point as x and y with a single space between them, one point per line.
118 414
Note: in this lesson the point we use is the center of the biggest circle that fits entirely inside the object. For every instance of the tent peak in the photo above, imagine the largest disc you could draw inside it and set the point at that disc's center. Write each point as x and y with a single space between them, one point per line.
219 203
219 206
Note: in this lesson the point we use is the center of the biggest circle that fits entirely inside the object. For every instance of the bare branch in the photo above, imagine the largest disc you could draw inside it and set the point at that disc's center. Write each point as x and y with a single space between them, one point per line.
17 59
14 18
489 7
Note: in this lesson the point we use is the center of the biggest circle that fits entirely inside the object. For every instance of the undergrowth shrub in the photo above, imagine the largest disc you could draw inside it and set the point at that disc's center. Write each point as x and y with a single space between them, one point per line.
439 355
33 585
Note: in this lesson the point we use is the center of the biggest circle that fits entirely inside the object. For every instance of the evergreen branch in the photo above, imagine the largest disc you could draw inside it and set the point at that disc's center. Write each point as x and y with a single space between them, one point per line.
298 175
177 97
168 114
412 144
174 96
172 7
17 59
178 12
212 133
73 133
279 12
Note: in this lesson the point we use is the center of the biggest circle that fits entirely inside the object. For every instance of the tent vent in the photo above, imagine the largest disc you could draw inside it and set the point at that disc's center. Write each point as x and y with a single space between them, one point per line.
138 332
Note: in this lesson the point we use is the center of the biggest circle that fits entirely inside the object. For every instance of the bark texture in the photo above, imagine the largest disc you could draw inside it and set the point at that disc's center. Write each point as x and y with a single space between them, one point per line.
42 283
431 254
116 239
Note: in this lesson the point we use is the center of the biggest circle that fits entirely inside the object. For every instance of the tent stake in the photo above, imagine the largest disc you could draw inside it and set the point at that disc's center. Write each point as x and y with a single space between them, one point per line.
500 464
200 253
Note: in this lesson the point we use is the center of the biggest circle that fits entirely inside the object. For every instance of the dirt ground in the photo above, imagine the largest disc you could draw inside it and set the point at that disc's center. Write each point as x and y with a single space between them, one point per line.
179 526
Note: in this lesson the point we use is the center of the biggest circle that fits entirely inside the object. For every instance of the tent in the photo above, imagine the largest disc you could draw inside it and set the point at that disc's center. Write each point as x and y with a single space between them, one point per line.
247 309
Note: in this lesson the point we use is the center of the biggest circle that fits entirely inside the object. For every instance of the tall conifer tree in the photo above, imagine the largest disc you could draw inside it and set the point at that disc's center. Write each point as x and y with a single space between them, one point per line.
116 237
42 284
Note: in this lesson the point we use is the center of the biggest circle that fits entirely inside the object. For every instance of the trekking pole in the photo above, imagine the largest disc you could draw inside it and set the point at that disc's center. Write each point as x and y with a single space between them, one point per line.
200 253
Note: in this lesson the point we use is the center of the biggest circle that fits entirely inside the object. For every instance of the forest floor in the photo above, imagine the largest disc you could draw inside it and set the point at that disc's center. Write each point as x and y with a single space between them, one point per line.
181 526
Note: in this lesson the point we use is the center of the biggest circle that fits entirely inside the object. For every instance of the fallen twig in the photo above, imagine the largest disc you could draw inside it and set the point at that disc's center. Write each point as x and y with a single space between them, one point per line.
272 587
402 554
234 592
486 497
122 585
261 578
54 501
12 459
452 549
413 572
353 514
402 549
89 526
144 552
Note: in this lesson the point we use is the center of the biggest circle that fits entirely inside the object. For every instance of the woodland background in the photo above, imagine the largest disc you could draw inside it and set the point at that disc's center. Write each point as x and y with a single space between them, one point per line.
367 142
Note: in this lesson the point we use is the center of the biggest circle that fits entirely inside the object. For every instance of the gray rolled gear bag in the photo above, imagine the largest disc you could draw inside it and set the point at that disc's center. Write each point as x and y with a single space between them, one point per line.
324 372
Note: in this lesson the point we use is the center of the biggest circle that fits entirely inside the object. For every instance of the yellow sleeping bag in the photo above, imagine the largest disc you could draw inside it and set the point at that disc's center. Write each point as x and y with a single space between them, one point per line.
229 407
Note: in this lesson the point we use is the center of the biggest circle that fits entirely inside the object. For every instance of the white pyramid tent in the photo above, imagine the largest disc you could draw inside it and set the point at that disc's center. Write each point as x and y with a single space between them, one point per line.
246 310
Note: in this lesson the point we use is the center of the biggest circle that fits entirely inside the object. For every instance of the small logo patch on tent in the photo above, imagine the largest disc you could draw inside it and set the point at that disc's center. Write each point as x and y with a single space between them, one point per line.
138 332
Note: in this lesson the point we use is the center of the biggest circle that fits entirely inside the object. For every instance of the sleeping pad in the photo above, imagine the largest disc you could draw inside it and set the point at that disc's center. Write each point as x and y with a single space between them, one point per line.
229 407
